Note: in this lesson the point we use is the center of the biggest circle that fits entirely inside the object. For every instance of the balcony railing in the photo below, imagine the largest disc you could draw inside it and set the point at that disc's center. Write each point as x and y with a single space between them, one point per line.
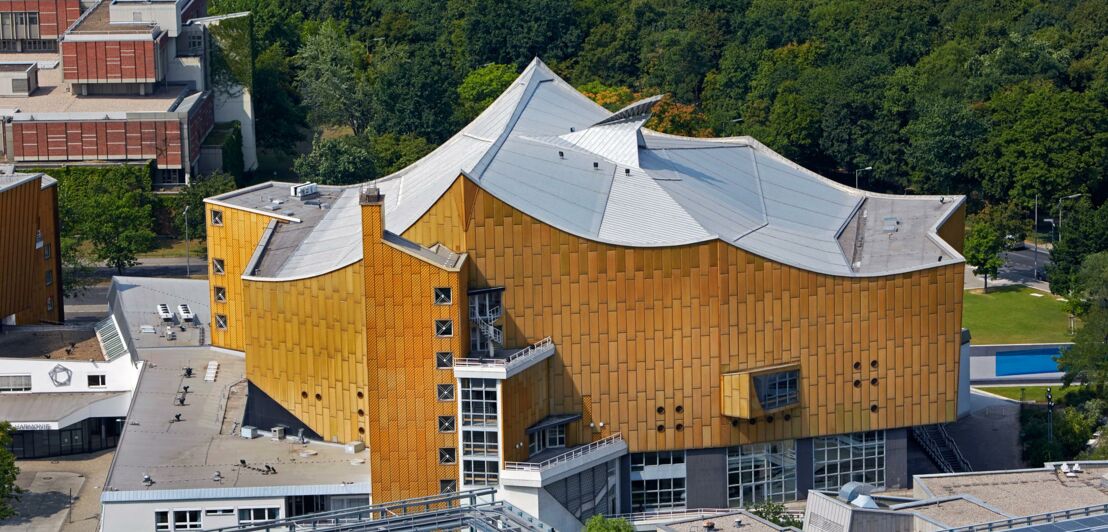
1050 517
518 356
564 457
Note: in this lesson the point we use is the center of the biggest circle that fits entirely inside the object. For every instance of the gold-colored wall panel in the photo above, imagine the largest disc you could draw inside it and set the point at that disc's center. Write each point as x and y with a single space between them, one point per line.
305 339
444 222
642 328
403 405
954 230
234 242
525 402
24 210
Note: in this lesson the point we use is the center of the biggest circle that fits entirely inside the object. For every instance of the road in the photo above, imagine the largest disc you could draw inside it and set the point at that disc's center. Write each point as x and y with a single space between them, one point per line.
92 304
1019 268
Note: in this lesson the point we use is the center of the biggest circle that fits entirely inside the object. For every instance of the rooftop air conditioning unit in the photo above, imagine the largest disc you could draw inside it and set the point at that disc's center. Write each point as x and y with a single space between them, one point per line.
303 191
249 432
278 433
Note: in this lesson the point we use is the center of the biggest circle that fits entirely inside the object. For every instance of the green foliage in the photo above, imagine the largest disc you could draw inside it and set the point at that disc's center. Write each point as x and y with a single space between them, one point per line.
411 92
1073 425
392 153
331 78
8 472
985 241
278 115
76 268
1086 361
1084 231
775 513
512 31
599 523
109 208
337 161
231 148
232 55
1045 141
481 86
192 196
1092 280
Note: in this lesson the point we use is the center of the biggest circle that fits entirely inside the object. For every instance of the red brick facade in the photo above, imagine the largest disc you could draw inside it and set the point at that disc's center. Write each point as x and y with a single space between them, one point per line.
112 61
54 16
201 120
100 140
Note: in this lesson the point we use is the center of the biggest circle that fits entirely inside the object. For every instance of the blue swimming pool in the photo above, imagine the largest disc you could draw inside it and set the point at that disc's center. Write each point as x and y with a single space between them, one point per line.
1027 361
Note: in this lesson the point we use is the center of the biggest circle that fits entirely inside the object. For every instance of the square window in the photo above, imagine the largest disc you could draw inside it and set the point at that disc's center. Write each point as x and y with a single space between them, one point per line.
217 266
97 381
221 321
161 520
448 455
446 423
444 392
186 520
443 296
217 217
448 486
444 360
444 328
220 294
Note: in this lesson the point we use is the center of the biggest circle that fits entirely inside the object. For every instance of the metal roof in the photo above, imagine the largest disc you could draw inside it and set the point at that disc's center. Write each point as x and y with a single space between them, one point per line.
549 151
48 407
554 154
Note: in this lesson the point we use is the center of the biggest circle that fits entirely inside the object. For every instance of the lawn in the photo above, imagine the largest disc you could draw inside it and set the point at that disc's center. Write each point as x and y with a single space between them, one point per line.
1031 393
175 247
1015 315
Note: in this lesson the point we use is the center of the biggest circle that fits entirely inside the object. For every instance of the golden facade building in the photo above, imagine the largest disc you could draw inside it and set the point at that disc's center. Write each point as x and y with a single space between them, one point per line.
30 264
596 317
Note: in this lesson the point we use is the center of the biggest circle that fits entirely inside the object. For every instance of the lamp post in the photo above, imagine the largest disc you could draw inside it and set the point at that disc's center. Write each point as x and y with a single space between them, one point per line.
188 256
858 173
1060 200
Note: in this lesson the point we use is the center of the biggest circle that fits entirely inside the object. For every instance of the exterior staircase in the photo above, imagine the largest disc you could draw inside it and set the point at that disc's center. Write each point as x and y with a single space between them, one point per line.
486 323
941 448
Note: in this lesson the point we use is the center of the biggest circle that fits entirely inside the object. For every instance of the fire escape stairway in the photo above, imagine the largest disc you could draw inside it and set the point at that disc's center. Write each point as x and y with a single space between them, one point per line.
486 323
941 448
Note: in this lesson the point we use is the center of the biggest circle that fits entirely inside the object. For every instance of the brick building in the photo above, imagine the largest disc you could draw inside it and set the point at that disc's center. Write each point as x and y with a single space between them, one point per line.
122 81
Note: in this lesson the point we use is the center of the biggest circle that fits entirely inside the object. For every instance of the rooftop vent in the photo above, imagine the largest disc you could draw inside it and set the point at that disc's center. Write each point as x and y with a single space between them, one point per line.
273 207
303 191
277 201
561 155
595 165
287 213
626 171
891 224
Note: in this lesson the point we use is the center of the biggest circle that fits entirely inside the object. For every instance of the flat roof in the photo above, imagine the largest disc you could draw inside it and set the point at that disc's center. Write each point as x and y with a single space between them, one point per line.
52 97
186 454
11 180
955 512
137 299
48 407
1025 491
98 20
50 342
747 523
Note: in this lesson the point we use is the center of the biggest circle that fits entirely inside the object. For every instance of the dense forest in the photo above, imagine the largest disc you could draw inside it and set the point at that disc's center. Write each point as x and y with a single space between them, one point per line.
1001 100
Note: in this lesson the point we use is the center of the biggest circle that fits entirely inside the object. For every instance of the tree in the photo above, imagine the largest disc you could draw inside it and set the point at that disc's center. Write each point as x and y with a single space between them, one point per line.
8 472
599 523
192 196
1085 232
110 208
411 92
775 513
481 86
392 152
983 247
76 268
279 116
336 161
1043 141
512 31
332 78
1092 280
1086 361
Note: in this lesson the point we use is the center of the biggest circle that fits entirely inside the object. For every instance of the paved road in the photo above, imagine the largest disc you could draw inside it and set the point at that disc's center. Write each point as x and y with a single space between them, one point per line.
45 505
1019 268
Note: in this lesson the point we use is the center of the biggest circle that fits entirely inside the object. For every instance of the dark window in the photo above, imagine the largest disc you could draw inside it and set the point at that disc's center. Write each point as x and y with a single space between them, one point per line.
221 321
444 392
97 381
217 266
444 360
448 455
444 328
443 296
448 486
220 294
49 277
217 217
776 390
446 423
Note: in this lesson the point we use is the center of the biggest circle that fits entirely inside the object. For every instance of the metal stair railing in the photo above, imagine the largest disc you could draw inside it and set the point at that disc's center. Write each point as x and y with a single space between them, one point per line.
931 448
953 445
564 457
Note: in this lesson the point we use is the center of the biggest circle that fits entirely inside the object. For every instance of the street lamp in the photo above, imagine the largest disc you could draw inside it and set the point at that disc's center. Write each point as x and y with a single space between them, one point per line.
1071 196
858 172
188 256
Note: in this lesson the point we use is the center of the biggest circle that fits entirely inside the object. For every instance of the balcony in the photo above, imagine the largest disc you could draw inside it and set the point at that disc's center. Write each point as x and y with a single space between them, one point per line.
568 463
505 362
